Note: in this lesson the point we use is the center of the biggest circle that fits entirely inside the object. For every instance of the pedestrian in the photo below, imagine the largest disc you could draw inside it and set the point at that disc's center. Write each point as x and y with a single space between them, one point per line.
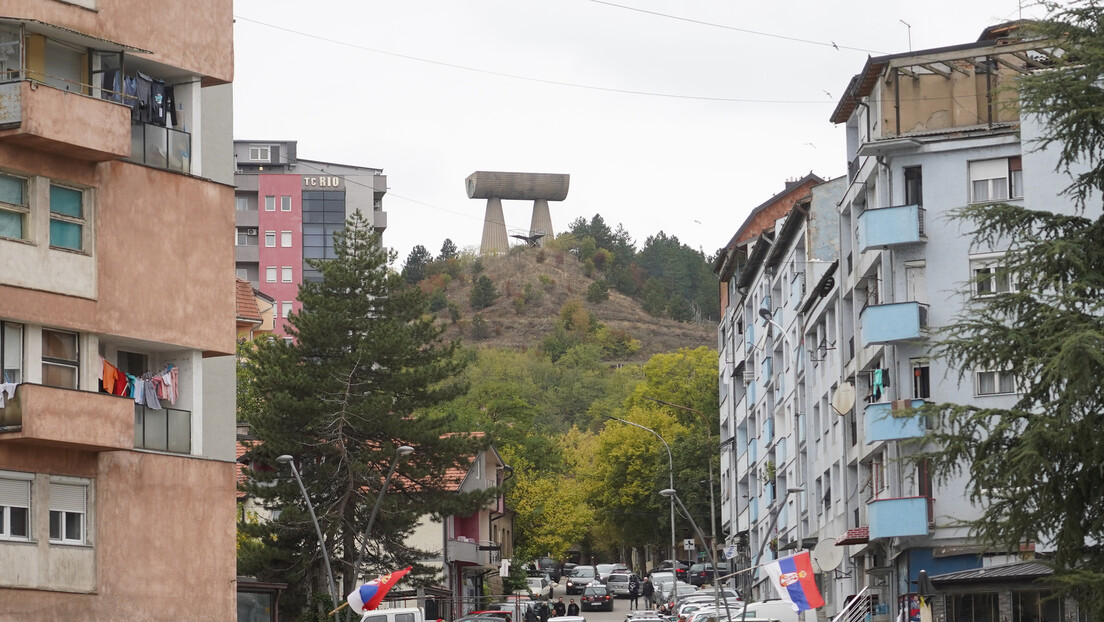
572 608
559 608
634 592
647 590
545 612
530 615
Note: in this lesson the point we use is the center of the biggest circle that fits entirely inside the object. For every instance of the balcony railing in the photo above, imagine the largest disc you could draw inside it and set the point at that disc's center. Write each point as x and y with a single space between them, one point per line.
888 323
463 550
879 424
904 516
41 415
43 117
161 147
164 429
891 226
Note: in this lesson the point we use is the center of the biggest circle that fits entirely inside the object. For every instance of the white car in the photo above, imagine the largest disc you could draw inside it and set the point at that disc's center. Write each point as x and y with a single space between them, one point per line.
539 588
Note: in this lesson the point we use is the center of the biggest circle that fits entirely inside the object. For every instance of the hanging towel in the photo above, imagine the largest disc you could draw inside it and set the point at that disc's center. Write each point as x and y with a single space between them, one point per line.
7 388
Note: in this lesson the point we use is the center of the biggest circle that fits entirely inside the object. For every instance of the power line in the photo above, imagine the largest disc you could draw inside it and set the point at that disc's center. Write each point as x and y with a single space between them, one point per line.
830 44
513 76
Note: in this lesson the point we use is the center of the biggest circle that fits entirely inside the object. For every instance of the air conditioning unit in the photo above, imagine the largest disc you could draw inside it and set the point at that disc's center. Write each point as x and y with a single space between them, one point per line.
250 232
749 376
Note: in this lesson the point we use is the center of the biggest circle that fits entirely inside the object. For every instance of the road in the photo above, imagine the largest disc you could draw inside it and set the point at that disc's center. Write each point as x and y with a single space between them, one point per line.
620 609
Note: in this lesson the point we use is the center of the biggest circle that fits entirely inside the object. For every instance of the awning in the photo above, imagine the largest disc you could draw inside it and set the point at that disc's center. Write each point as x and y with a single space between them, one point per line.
859 535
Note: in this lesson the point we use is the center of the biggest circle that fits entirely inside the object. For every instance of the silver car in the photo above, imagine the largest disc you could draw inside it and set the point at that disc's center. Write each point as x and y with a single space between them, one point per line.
618 583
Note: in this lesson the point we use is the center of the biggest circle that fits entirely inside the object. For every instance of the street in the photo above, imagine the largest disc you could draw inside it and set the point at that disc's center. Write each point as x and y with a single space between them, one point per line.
620 609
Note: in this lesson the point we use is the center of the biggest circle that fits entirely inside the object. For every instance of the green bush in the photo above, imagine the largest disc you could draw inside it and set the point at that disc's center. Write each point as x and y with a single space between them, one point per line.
598 292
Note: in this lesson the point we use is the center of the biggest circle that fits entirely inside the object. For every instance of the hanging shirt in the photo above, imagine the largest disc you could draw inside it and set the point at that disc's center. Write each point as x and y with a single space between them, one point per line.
7 388
151 396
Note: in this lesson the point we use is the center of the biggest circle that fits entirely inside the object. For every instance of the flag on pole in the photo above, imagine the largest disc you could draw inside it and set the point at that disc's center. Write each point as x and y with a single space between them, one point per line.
793 578
368 596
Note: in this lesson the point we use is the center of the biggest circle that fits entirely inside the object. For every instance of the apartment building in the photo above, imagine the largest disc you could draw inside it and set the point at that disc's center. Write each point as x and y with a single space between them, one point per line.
927 132
287 210
116 172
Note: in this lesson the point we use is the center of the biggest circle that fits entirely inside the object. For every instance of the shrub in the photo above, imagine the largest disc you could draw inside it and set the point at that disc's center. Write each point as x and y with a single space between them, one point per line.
438 300
479 327
541 256
483 293
598 292
454 311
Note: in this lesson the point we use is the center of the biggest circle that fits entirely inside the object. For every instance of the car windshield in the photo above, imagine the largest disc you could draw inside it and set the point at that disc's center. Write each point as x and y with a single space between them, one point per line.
618 578
605 568
595 590
582 572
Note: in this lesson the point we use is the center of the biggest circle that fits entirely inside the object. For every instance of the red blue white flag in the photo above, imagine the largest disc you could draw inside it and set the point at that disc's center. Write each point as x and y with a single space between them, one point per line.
794 579
368 596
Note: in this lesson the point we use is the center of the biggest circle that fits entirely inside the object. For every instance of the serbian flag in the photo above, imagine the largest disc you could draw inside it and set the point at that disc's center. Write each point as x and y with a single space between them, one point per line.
793 578
368 596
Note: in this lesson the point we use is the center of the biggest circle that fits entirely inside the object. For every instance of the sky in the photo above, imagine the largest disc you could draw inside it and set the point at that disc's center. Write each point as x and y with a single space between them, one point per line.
678 117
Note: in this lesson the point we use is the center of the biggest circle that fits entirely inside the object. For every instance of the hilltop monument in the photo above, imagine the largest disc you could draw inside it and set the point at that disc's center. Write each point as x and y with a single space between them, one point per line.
540 188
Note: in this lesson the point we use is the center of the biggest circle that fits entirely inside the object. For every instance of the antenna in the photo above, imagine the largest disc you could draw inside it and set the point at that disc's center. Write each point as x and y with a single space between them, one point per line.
826 555
909 32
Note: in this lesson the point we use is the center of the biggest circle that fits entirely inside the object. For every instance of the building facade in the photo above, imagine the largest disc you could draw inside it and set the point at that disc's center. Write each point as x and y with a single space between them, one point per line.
927 132
115 162
287 210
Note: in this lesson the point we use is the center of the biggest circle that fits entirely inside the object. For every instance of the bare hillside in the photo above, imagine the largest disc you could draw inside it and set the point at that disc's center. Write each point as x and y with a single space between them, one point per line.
531 294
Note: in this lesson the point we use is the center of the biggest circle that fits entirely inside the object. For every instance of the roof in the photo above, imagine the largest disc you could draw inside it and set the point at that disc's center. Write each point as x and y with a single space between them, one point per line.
859 535
791 186
245 303
1019 571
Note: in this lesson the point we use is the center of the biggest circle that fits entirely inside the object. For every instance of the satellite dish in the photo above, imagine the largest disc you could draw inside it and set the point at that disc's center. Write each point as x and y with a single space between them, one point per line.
843 400
826 555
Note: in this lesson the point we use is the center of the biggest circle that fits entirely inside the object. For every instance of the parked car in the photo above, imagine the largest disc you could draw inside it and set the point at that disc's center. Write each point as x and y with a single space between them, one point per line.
596 596
618 583
700 574
604 570
679 567
579 578
487 616
405 614
539 588
776 609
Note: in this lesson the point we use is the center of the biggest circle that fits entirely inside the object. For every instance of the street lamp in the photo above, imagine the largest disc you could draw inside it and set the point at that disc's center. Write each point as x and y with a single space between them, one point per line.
763 542
670 477
290 461
670 493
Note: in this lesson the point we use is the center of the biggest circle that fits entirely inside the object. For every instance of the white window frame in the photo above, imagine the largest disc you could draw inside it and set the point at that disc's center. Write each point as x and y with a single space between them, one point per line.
15 492
285 203
11 331
993 263
22 211
285 239
73 364
260 153
285 274
285 309
270 274
995 180
68 497
81 221
270 239
270 203
999 378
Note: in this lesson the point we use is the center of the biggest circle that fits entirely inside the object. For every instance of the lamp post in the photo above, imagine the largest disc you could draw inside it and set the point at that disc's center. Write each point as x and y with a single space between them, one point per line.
670 478
709 463
290 461
763 542
670 493
401 451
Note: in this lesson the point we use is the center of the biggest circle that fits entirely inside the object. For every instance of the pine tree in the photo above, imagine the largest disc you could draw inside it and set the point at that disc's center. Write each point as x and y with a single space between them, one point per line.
483 293
448 250
1034 470
414 269
366 359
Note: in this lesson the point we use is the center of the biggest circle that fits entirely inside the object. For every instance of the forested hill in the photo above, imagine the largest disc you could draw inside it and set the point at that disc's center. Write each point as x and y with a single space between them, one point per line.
548 299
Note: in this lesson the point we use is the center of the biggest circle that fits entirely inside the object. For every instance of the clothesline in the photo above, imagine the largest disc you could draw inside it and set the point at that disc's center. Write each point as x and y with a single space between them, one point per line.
148 390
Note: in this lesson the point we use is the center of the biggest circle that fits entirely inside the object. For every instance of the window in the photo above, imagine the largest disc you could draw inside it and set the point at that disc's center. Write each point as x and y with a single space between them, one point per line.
68 505
247 236
285 309
241 204
285 239
994 382
270 204
981 607
914 187
990 277
996 180
270 239
13 207
260 153
285 274
270 274
11 352
59 359
285 204
15 506
921 379
66 218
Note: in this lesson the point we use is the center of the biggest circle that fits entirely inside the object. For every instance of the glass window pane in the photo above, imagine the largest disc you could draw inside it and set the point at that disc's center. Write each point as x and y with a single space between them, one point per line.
285 239
1007 383
986 383
55 525
65 234
139 425
156 430
61 376
180 431
335 217
981 190
285 204
11 190
12 354
11 224
999 189
312 230
73 526
313 216
59 345
19 522
313 252
270 204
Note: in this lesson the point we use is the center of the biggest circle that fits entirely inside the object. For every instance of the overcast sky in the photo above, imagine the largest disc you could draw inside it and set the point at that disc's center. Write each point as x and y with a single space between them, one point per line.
669 116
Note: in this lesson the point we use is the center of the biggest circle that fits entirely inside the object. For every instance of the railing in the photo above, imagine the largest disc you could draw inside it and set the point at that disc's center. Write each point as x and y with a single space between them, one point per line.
857 609
162 147
165 429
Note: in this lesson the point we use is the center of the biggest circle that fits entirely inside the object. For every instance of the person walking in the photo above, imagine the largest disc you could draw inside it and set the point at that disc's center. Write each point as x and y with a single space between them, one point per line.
544 611
572 608
647 590
559 608
634 592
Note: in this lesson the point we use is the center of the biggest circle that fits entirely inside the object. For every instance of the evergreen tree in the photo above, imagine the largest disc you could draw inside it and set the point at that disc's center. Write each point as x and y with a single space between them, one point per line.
414 270
1034 470
448 250
483 292
366 359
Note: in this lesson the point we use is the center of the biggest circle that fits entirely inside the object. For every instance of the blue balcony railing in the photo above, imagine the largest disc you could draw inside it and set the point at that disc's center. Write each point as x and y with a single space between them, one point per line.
891 226
891 518
899 321
879 424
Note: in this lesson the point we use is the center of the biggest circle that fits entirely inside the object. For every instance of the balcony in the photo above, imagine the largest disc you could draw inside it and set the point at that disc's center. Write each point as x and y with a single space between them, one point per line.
889 323
879 424
161 147
891 226
892 518
45 118
463 550
40 415
162 429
